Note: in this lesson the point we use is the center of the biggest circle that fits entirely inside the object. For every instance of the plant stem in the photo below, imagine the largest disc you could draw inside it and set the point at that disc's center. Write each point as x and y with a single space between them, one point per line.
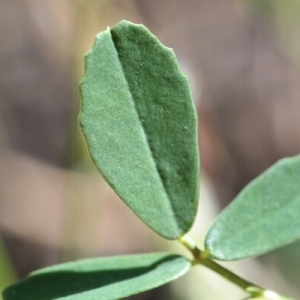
242 283
202 258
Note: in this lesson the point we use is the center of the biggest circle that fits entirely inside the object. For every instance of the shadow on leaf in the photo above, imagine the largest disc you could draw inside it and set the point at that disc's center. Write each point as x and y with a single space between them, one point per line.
51 284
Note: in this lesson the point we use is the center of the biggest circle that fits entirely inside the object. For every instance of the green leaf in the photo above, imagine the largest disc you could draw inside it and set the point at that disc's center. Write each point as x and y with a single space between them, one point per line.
101 278
140 125
263 217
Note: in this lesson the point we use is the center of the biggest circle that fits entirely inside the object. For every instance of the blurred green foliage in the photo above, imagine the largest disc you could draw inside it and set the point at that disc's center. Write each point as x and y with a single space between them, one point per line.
281 18
7 274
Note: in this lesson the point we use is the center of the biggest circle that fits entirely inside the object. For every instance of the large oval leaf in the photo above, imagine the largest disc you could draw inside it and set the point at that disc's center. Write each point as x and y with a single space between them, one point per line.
102 278
264 216
140 125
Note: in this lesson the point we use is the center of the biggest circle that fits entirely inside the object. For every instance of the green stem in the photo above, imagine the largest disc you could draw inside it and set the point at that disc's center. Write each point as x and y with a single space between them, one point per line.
202 258
242 283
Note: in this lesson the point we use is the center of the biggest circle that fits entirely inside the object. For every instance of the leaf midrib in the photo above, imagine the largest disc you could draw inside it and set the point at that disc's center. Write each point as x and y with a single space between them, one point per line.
145 135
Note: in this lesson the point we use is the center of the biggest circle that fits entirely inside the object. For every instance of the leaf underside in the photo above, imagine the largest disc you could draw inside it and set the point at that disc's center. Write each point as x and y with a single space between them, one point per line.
101 278
263 217
140 125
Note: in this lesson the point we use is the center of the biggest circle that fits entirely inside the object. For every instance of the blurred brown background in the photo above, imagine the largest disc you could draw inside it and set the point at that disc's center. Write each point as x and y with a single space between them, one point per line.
242 58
